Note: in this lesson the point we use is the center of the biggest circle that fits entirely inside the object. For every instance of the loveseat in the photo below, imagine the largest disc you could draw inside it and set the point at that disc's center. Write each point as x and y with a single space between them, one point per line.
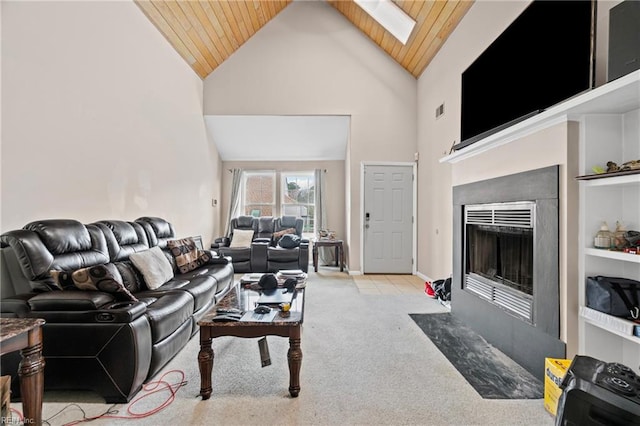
120 299
269 244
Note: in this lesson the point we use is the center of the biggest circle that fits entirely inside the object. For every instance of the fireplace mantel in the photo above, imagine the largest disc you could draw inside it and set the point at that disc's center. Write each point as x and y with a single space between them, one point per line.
615 97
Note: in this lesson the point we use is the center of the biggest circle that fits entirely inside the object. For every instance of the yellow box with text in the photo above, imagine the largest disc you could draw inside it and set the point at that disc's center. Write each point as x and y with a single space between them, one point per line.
554 371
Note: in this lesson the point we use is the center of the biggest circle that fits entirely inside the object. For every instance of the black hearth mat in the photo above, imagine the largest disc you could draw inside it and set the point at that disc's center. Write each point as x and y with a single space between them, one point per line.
490 372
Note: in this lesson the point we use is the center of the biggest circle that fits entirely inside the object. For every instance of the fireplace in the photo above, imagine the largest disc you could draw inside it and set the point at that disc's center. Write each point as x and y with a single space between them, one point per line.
505 281
498 254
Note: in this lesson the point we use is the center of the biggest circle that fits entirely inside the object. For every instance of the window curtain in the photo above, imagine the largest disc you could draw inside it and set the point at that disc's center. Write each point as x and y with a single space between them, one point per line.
234 204
326 255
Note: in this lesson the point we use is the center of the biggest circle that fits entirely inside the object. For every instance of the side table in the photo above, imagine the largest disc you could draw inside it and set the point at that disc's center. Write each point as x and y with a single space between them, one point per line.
337 244
25 334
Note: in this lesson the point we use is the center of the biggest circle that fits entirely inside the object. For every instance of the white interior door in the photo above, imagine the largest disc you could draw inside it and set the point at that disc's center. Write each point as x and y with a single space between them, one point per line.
388 219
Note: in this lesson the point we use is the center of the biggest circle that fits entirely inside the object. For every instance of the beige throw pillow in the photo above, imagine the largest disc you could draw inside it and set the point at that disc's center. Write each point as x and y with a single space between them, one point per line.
154 267
241 238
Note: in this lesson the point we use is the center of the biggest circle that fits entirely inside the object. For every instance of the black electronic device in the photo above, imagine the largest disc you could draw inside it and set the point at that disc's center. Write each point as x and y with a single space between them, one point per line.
262 309
598 393
624 39
543 58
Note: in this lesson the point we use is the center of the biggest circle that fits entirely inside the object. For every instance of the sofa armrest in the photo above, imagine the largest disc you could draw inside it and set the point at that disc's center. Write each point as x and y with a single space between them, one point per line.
262 240
220 242
16 306
83 307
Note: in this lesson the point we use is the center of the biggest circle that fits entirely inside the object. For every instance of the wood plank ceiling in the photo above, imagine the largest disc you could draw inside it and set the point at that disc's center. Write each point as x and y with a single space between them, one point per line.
206 32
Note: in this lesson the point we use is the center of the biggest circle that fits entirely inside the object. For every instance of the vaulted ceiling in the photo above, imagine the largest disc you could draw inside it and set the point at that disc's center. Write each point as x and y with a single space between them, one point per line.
206 32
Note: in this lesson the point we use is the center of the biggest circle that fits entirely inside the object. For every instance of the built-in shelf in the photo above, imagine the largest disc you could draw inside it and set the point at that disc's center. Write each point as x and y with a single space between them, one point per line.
615 325
632 179
609 254
616 97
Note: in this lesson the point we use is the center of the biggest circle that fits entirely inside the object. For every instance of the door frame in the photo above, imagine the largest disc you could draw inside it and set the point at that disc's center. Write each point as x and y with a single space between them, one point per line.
414 225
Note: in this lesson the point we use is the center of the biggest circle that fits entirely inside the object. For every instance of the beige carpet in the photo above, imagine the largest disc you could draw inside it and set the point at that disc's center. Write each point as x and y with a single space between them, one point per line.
365 361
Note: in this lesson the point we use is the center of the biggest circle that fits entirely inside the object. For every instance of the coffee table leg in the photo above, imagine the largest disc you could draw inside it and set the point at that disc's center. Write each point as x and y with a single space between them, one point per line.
205 363
31 372
295 361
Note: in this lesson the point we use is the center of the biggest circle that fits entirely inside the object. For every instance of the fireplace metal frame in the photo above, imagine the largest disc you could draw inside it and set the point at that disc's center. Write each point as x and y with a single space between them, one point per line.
515 214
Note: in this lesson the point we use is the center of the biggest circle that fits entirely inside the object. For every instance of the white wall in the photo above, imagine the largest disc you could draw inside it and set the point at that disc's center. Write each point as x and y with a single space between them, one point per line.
102 119
310 60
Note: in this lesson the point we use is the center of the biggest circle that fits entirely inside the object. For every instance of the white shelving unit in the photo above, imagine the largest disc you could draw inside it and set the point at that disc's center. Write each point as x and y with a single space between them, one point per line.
609 131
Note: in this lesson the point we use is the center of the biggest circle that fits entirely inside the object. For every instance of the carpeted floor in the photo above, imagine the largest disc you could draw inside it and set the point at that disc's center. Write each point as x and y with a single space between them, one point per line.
491 373
365 361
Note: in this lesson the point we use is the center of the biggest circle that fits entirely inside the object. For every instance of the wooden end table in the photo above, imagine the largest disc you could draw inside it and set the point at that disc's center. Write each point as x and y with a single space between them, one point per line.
337 244
25 334
244 299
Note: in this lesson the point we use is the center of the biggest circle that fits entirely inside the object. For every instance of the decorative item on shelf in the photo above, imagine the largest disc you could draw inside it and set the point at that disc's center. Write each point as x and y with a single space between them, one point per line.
325 234
613 167
632 237
619 241
603 237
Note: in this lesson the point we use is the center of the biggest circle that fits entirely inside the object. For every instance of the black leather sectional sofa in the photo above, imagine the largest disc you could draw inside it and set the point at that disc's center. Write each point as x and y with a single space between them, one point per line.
97 340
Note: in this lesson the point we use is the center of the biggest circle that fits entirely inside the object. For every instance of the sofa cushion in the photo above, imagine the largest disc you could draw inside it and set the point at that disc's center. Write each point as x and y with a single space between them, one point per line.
187 255
154 267
241 238
105 278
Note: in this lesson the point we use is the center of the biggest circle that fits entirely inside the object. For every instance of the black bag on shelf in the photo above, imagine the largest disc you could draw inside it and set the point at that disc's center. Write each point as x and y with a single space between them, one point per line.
619 297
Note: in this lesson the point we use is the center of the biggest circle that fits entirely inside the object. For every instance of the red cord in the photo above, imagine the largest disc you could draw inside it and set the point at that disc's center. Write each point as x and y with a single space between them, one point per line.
20 416
151 388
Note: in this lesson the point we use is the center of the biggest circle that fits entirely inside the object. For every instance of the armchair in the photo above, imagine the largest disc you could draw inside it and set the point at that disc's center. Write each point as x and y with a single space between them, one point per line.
240 255
279 257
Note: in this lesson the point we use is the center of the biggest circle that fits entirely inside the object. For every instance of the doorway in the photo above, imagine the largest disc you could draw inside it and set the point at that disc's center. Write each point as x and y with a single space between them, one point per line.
388 225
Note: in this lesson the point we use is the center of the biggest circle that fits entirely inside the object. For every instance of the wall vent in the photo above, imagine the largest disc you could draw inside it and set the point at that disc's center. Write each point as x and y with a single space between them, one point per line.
440 110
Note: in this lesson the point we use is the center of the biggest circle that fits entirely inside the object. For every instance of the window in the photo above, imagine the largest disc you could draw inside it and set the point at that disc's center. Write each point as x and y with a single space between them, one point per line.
298 197
259 193
295 196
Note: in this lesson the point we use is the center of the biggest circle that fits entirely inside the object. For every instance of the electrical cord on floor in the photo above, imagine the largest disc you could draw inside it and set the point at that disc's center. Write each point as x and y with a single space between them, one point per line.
148 389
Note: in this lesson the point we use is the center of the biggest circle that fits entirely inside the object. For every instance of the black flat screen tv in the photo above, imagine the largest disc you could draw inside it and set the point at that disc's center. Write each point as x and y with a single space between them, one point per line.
544 57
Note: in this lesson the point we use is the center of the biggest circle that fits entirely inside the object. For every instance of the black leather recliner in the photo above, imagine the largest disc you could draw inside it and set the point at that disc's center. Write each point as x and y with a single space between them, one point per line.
241 257
279 258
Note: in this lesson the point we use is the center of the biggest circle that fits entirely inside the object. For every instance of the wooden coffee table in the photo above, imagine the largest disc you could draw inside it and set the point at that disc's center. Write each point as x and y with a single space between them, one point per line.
244 299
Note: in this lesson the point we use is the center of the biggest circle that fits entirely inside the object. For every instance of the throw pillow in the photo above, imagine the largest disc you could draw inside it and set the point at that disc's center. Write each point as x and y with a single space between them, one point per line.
278 234
107 278
131 278
104 278
153 265
241 238
187 255
289 241
62 279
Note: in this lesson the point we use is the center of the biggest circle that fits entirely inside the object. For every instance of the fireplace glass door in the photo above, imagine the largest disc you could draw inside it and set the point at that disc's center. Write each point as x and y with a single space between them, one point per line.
501 254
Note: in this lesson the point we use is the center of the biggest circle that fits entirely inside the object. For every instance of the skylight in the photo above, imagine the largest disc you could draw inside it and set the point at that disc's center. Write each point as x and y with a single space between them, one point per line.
390 16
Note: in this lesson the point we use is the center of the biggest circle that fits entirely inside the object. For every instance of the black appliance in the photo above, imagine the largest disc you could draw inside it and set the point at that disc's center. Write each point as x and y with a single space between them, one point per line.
624 39
598 393
544 57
